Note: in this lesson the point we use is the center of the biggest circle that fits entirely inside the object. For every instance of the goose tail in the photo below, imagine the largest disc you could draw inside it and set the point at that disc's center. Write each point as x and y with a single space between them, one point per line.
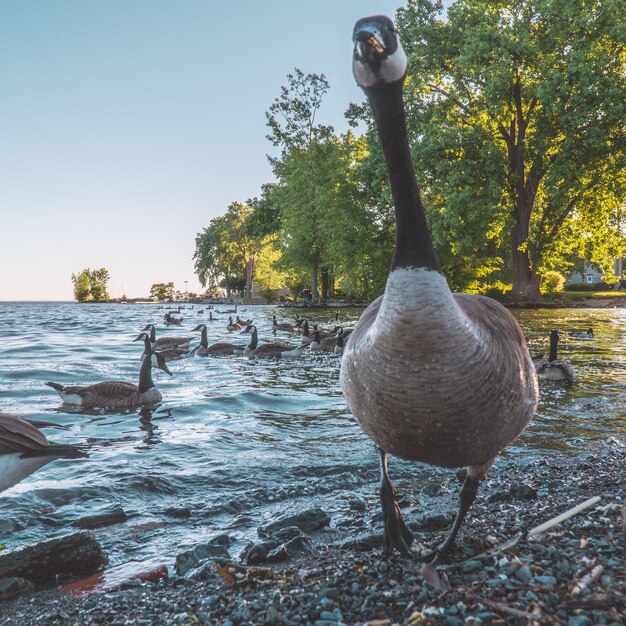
56 386
59 451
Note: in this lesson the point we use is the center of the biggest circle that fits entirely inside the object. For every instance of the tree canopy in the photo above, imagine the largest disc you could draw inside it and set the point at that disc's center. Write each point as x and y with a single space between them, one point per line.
91 285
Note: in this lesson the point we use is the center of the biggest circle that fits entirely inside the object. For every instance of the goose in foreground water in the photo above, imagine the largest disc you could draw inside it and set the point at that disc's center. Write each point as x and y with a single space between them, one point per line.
216 349
233 325
269 350
418 339
579 334
116 395
552 368
24 449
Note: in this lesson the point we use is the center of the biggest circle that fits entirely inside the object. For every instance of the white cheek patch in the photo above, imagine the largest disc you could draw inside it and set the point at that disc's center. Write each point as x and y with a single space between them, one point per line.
391 70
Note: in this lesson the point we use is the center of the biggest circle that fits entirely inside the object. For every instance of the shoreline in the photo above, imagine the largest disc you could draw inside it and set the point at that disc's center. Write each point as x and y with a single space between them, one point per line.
572 575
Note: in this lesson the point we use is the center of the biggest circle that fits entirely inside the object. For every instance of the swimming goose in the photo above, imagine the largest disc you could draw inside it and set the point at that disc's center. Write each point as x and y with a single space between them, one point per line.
173 353
169 320
578 334
244 323
116 395
552 368
228 310
269 350
211 318
166 343
282 326
341 339
216 349
324 343
24 449
233 325
418 339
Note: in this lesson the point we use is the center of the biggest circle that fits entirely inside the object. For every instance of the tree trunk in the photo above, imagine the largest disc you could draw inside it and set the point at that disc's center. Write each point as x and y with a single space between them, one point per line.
316 262
325 281
249 273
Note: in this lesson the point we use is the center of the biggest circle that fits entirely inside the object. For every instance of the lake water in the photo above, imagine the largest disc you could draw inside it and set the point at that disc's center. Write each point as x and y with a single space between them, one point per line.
235 441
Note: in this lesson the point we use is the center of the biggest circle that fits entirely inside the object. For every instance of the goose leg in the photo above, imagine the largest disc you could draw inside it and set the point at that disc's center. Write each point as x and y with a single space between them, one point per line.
466 498
397 533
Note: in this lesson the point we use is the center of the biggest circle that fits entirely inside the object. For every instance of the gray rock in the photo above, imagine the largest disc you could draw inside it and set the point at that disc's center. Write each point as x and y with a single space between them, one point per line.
307 521
104 515
524 574
471 566
281 546
14 586
192 558
545 580
76 554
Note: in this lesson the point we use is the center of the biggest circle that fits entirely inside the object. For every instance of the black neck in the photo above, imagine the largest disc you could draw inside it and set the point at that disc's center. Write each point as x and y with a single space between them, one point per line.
147 347
145 374
204 342
305 328
554 340
152 333
414 247
254 340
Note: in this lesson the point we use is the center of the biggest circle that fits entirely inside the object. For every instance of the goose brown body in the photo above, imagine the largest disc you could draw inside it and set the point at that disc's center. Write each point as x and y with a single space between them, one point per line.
449 382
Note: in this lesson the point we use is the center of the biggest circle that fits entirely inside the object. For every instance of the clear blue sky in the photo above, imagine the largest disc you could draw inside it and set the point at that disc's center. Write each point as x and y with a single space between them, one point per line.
127 125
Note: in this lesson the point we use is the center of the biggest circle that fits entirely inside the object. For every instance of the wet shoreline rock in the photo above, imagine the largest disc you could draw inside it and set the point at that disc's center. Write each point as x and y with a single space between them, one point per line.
68 556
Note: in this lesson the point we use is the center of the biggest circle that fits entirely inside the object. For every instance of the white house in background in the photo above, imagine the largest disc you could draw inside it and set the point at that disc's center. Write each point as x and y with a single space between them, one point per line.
592 276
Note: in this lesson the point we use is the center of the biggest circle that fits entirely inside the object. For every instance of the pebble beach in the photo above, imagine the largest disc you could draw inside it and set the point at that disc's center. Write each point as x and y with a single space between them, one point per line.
572 574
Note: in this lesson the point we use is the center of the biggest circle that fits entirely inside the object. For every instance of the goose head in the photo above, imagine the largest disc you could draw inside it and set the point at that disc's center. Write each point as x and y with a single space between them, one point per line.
199 328
160 362
378 54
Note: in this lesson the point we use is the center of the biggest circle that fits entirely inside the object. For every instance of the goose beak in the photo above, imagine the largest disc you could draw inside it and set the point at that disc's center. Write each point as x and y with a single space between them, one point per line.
139 337
166 369
369 43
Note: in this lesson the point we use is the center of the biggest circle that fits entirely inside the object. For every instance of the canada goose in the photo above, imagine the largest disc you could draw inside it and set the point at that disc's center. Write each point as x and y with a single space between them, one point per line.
170 320
335 321
228 310
578 334
324 344
269 350
211 318
166 343
24 449
200 311
116 395
552 368
341 339
244 323
233 325
173 353
419 338
216 349
282 326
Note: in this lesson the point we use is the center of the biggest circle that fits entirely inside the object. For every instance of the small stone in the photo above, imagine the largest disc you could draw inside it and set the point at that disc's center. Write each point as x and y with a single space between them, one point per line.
549 581
471 566
579 620
524 574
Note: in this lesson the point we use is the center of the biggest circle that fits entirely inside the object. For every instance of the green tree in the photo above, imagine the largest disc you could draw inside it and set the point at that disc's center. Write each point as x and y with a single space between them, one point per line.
302 141
162 291
517 108
91 285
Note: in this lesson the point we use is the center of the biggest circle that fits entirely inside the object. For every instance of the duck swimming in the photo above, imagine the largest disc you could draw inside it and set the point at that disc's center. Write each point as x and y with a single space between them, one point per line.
419 338
24 449
116 395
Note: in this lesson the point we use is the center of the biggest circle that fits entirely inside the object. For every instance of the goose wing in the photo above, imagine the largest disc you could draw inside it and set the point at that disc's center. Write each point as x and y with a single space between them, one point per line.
18 435
222 349
108 394
163 343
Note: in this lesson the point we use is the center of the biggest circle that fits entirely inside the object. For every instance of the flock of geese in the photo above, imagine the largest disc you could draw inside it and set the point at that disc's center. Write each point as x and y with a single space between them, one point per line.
408 348
24 448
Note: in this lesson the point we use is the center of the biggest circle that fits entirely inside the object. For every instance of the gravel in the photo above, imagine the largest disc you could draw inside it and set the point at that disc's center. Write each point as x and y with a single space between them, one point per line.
574 574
